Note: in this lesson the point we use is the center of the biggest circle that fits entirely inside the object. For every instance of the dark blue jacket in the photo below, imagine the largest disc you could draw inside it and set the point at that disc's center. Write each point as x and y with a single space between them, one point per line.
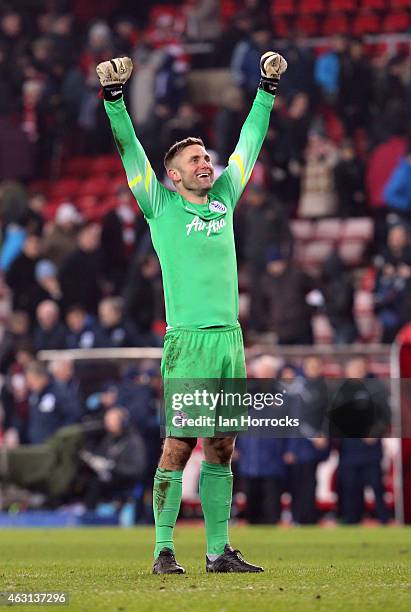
261 457
140 401
119 336
355 452
305 451
51 409
397 191
53 339
86 338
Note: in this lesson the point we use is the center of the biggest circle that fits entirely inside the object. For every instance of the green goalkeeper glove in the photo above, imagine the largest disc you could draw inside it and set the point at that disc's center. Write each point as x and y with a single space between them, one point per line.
112 76
272 66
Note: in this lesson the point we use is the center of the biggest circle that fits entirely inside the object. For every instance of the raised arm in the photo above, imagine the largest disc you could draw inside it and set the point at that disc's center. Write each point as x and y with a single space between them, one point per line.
254 130
147 190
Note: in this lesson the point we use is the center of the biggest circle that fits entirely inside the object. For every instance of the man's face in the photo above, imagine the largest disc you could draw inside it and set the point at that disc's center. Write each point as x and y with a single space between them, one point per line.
356 368
397 237
47 314
193 170
76 320
313 367
108 315
113 422
35 382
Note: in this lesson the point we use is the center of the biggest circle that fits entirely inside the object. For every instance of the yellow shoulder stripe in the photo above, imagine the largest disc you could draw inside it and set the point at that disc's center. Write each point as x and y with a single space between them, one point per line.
148 176
135 181
237 159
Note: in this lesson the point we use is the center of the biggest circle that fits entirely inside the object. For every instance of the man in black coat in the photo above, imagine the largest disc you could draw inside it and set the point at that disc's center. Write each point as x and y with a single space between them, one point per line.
285 290
82 273
120 233
359 417
21 278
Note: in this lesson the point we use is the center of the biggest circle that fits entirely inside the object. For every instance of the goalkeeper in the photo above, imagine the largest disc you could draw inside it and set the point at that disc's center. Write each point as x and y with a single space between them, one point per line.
192 233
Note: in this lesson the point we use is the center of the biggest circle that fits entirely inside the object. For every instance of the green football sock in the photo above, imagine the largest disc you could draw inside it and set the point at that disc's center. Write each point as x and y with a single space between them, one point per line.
166 505
216 488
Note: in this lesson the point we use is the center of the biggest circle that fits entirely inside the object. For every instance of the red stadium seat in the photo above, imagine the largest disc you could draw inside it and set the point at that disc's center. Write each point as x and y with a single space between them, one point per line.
343 5
282 7
302 229
281 27
400 4
227 10
374 4
329 229
119 180
335 23
361 228
77 166
311 7
111 164
307 24
86 202
94 186
315 253
39 186
109 203
65 188
366 23
397 21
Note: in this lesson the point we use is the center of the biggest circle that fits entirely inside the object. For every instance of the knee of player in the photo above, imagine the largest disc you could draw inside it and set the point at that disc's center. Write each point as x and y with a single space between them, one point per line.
219 450
176 453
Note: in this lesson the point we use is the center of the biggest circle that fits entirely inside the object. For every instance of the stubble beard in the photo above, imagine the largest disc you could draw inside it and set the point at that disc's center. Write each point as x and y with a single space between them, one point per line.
196 190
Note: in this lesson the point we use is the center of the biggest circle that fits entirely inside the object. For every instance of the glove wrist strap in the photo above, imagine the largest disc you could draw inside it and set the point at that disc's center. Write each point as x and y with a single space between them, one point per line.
113 92
269 85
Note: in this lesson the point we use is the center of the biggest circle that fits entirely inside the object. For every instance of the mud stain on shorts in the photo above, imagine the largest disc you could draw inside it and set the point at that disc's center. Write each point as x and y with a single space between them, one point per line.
173 352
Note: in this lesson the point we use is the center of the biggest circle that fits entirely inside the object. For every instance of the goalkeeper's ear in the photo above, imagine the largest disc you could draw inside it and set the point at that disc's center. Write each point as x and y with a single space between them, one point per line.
272 66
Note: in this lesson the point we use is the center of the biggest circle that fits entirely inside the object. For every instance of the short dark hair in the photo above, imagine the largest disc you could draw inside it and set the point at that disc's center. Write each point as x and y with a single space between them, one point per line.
37 368
178 147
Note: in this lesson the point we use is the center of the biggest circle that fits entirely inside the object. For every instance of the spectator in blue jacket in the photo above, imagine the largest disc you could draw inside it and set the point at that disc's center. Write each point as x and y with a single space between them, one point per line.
140 392
393 284
261 464
260 458
51 406
397 191
306 400
49 333
113 329
327 68
245 62
81 332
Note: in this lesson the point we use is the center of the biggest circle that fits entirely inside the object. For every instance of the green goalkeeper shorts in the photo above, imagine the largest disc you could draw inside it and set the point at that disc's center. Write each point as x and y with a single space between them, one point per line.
204 376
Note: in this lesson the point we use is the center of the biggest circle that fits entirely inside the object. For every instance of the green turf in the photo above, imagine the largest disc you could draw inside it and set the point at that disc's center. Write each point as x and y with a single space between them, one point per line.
340 568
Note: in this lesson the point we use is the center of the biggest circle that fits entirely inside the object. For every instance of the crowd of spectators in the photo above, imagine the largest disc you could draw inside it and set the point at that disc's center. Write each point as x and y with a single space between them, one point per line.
119 456
337 146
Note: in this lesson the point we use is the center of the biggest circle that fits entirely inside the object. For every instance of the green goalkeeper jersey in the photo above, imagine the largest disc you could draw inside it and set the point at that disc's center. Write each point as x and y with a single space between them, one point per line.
194 242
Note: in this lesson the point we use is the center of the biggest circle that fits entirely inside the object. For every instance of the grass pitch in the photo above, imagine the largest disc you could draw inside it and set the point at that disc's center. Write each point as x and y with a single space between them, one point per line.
340 568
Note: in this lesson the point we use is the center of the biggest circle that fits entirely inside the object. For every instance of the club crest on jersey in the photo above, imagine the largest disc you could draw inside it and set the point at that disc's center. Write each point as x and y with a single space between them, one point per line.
217 207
